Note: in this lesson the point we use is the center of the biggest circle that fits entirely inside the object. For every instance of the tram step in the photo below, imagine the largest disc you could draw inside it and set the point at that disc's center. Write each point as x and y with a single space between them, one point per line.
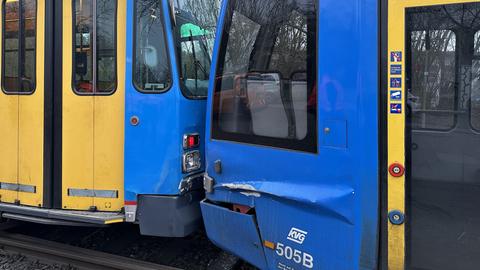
99 218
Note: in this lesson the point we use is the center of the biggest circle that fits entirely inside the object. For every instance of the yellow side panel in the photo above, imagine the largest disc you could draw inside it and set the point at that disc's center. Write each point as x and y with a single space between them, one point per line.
77 128
109 129
8 144
8 140
31 125
396 127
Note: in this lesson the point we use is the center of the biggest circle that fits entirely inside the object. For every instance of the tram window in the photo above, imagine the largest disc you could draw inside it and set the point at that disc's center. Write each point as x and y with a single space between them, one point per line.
95 75
19 42
151 71
475 94
431 96
106 46
195 36
265 88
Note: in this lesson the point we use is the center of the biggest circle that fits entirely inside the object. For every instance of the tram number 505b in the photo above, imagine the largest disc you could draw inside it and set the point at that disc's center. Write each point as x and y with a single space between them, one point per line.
295 255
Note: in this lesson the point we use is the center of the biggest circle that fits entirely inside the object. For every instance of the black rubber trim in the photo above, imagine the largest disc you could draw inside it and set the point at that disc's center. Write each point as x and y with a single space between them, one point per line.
57 104
48 106
383 131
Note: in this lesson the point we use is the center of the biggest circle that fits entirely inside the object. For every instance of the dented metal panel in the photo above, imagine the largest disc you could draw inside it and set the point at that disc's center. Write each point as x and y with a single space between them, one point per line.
243 239
313 209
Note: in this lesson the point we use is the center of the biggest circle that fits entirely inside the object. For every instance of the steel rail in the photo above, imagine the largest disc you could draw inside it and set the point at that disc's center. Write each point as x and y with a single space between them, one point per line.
80 258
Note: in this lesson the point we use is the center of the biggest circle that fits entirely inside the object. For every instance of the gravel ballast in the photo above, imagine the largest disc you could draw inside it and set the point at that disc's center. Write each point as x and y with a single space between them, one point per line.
15 261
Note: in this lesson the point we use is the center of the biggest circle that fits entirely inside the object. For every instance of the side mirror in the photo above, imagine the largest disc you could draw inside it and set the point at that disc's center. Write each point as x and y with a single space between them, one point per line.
150 56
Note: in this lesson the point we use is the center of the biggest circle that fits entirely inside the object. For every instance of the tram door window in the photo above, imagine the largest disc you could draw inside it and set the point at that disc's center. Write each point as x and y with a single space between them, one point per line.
95 47
443 107
151 70
265 91
432 93
19 19
475 96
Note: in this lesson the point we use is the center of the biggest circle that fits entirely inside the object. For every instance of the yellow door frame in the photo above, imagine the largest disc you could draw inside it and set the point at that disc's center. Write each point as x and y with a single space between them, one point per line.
396 125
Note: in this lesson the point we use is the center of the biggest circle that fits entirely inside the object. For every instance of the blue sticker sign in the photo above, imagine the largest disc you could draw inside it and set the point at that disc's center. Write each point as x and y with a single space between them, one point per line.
396 82
396 69
395 108
396 95
396 57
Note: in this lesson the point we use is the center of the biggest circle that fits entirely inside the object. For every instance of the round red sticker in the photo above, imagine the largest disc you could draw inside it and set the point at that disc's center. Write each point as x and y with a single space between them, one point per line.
396 170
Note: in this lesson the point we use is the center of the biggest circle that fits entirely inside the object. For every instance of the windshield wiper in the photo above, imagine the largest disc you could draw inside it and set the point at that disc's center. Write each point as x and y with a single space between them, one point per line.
197 64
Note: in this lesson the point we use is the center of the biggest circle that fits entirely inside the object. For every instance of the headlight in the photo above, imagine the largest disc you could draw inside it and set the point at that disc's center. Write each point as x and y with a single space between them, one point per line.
191 161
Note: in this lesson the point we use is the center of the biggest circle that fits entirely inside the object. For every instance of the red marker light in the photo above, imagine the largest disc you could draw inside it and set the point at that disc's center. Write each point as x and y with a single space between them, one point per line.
191 141
396 170
130 203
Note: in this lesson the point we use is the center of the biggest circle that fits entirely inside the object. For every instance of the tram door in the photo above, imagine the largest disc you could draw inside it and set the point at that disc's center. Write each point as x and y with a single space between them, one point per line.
93 93
62 109
23 102
434 92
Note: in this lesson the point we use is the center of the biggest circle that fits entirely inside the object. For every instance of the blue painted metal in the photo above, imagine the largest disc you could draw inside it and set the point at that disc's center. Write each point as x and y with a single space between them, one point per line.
153 149
332 195
335 133
245 242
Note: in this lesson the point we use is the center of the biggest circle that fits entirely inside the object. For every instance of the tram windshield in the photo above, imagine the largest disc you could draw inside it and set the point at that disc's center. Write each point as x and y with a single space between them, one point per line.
196 22
265 83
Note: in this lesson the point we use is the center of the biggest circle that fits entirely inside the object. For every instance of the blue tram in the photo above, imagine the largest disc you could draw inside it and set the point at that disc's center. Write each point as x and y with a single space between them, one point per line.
103 105
345 134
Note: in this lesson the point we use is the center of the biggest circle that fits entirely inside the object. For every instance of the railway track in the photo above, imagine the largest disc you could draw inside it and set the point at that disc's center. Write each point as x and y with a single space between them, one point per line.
79 258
